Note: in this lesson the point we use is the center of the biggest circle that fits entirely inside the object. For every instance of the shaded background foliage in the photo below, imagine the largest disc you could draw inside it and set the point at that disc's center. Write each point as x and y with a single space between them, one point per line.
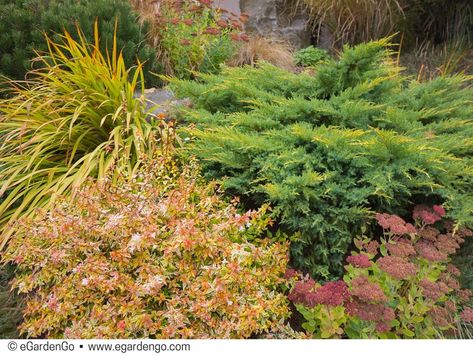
23 23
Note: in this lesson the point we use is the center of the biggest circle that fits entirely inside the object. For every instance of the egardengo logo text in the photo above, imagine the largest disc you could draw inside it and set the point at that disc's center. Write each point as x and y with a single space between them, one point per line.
80 346
133 347
41 346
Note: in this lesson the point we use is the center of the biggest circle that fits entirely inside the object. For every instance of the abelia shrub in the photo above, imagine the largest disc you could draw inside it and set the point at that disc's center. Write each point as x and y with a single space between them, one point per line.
404 287
160 256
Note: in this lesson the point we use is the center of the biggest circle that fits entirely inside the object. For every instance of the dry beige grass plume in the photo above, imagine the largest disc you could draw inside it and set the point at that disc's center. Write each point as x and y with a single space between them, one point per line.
271 50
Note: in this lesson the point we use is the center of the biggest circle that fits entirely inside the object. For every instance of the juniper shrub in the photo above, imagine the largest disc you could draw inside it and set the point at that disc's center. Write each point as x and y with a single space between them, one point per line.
331 148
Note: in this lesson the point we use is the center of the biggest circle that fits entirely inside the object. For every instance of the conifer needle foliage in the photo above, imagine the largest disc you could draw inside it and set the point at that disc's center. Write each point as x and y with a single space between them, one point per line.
75 118
329 149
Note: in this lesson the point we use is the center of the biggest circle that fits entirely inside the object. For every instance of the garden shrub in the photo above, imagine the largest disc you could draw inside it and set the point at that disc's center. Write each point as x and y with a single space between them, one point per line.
75 117
23 24
403 287
191 35
330 149
160 255
310 56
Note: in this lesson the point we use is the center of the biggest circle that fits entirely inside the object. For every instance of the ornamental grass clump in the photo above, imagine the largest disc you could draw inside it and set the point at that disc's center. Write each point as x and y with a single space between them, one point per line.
390 290
76 117
331 149
160 255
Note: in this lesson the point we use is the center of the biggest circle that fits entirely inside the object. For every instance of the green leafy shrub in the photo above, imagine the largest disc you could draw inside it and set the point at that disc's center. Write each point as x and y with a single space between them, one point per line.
160 255
22 24
76 117
403 287
330 149
310 56
191 35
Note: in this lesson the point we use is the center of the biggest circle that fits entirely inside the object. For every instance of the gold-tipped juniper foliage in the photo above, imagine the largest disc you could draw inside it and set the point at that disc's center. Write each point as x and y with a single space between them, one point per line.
330 149
74 118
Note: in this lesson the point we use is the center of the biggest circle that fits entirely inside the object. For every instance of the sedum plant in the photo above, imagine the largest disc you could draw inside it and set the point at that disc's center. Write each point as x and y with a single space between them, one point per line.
403 287
330 149
160 255
75 118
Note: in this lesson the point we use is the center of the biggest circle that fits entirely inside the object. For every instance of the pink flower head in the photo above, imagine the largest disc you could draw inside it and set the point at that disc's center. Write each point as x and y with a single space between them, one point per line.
440 316
428 215
332 293
291 273
302 289
465 232
402 248
384 324
429 233
467 314
366 290
374 312
453 270
244 37
397 267
383 327
359 260
428 251
439 210
432 290
465 295
394 224
450 306
452 283
447 243
222 23
212 31
372 247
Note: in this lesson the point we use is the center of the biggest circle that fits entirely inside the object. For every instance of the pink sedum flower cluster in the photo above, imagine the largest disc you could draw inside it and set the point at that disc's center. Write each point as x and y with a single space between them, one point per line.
397 267
360 260
309 293
428 215
394 224
404 286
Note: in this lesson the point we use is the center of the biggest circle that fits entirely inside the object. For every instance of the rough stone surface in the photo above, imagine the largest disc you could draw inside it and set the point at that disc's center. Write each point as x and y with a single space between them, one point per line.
277 18
161 101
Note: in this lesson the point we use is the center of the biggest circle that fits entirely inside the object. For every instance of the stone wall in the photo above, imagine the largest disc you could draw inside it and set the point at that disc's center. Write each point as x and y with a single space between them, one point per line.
273 18
277 18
